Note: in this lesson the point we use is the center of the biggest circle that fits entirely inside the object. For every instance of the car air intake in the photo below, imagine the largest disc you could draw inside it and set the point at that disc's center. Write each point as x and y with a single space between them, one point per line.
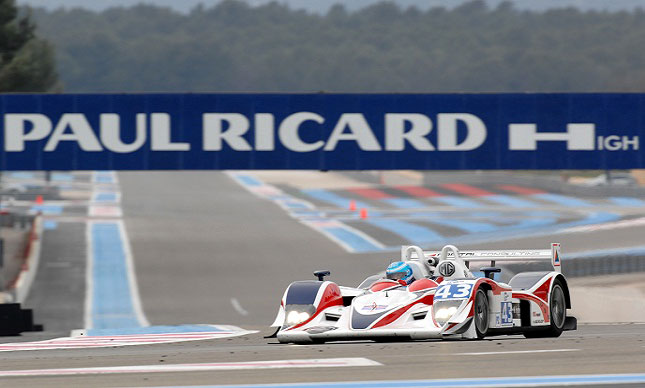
332 317
420 315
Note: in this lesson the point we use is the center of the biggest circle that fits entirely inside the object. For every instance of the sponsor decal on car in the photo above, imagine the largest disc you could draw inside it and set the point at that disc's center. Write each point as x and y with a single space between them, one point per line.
374 307
453 291
446 269
507 313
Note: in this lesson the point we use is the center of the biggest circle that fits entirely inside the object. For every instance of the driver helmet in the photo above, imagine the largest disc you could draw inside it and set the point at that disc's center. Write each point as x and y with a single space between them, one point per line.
400 270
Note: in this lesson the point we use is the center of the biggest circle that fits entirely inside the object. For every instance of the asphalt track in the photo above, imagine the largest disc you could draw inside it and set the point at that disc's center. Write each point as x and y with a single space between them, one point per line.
208 251
590 350
200 240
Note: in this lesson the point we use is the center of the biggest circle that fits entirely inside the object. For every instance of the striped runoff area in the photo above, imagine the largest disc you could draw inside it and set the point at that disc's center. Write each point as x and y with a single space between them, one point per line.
113 298
349 238
381 217
135 336
519 381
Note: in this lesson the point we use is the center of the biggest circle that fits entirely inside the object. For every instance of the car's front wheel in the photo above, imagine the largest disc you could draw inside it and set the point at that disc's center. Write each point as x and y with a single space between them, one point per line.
480 319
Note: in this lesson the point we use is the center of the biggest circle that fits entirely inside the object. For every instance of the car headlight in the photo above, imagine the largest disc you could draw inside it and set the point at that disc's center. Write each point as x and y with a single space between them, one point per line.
295 313
443 311
295 317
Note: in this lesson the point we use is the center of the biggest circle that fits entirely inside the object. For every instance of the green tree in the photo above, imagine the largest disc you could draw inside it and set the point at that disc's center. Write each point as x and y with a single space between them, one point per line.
27 63
271 48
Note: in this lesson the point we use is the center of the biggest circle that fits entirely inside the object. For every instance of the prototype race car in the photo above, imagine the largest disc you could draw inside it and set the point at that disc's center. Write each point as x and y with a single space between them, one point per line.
445 301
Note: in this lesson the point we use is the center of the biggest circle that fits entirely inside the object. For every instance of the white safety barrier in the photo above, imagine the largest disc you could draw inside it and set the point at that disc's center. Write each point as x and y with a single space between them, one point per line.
19 289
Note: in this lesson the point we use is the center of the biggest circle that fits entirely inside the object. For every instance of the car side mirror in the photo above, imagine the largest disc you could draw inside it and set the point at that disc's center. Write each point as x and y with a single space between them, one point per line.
321 274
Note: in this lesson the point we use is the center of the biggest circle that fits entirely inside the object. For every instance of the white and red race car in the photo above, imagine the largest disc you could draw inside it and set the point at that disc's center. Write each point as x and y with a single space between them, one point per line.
446 301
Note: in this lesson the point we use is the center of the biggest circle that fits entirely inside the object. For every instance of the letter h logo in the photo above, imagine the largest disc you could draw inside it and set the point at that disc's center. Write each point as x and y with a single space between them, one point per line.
524 137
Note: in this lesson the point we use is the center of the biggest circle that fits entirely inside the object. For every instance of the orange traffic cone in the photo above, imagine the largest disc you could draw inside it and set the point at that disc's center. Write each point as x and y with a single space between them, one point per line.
352 205
39 200
363 213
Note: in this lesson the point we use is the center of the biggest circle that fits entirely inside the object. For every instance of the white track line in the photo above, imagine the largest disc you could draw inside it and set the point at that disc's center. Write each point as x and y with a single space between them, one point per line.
517 352
104 211
89 276
132 277
342 225
238 307
279 364
606 226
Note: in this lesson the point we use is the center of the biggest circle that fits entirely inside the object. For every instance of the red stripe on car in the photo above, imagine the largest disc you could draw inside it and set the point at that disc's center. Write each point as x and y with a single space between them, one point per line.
331 297
542 292
396 314
543 306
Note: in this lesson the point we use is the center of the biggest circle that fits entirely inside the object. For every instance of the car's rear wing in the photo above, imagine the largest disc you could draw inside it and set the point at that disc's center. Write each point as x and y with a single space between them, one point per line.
508 255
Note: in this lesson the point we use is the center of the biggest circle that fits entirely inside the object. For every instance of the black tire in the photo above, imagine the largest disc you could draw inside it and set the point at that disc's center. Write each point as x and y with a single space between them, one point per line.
558 314
480 318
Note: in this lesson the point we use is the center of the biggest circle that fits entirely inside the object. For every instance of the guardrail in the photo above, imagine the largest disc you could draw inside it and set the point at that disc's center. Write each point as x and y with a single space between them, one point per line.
13 318
19 287
603 265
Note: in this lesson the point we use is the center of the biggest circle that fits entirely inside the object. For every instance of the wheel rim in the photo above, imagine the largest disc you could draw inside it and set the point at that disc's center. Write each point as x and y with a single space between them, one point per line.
481 314
558 308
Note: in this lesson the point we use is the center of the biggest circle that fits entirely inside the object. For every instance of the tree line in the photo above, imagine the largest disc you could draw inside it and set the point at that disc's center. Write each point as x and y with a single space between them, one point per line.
382 48
27 62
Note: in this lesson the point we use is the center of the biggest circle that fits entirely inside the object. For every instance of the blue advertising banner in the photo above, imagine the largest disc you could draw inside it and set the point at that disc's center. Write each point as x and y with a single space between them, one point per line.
321 131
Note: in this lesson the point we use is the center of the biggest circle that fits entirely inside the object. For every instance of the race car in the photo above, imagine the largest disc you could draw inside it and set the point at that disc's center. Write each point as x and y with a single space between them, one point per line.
445 300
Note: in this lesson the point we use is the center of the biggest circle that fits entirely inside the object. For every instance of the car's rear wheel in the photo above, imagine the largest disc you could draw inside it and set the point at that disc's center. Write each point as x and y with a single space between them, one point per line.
480 319
558 314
